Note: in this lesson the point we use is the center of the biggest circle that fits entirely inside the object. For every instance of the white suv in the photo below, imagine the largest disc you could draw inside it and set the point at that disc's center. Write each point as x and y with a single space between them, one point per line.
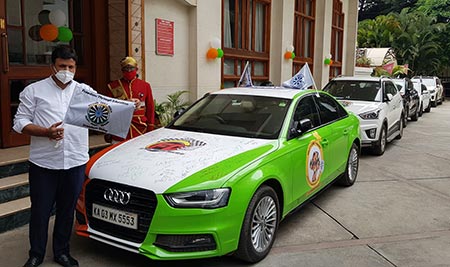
434 86
424 96
378 104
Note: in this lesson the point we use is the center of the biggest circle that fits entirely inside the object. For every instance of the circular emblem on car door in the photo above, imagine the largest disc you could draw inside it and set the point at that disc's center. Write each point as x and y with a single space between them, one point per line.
314 163
117 196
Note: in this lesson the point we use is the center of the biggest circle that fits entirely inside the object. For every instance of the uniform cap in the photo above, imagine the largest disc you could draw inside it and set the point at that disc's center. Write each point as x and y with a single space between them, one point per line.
128 61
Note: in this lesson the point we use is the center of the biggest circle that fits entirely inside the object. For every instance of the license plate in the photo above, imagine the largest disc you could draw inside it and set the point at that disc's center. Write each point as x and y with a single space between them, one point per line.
118 217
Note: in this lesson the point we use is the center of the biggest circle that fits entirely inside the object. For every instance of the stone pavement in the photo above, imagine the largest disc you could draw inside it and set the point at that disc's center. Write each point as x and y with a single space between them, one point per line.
396 214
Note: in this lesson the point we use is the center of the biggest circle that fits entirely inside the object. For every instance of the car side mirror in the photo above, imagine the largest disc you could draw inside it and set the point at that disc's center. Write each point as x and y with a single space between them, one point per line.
424 91
178 113
299 127
389 97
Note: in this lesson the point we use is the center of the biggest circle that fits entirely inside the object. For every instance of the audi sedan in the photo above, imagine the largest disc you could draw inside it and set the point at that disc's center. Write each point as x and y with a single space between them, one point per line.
220 177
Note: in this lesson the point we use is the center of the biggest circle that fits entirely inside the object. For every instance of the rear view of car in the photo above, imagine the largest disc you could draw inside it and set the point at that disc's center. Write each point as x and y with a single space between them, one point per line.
378 104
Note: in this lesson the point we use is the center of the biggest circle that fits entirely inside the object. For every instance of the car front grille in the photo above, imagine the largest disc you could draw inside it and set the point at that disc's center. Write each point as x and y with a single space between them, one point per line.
142 202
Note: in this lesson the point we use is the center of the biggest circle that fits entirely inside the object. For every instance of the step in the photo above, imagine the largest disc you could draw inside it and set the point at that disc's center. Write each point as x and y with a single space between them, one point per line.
14 214
14 187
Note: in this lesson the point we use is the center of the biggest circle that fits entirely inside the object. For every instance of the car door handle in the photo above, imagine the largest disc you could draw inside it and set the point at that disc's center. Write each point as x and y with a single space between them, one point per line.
324 142
345 132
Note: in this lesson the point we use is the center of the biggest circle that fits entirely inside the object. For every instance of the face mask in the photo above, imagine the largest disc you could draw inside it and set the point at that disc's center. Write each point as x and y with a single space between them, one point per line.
129 75
64 76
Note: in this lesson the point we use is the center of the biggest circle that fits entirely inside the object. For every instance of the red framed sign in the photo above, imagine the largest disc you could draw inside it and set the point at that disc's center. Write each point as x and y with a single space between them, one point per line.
164 37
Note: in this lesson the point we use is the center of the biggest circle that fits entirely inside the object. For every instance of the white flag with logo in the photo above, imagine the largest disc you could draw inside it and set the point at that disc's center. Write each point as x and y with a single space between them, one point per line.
97 112
302 80
246 78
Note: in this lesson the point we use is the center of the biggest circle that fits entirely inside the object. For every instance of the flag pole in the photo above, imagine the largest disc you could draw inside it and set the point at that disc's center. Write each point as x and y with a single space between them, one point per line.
314 82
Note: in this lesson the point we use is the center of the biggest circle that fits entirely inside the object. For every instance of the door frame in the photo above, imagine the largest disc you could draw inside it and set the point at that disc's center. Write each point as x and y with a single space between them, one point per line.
91 71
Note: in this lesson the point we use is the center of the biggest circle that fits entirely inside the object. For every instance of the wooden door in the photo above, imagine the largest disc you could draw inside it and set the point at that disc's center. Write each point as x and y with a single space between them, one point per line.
29 30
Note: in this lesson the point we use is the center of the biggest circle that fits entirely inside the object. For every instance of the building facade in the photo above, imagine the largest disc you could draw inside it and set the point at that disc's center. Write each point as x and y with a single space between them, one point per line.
194 45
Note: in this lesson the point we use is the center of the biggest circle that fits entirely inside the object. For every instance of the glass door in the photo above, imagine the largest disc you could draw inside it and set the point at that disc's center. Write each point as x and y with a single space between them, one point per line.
29 30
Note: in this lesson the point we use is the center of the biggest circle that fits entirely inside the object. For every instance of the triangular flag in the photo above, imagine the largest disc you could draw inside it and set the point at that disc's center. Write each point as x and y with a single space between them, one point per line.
246 78
389 67
302 80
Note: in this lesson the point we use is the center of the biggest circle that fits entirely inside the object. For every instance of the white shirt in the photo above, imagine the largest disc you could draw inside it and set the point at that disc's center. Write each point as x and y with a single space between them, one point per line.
44 103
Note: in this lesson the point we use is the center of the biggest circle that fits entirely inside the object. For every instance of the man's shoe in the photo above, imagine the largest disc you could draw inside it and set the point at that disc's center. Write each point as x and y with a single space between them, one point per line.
66 260
33 262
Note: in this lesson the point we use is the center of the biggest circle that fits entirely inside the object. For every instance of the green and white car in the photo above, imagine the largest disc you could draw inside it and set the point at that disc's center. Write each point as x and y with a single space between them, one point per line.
219 179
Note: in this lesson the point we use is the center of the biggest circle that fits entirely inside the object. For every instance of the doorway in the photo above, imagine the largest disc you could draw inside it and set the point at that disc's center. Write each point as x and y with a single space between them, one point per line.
29 30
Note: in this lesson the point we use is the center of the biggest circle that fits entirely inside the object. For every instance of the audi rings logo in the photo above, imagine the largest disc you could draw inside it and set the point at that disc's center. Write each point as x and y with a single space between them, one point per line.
117 196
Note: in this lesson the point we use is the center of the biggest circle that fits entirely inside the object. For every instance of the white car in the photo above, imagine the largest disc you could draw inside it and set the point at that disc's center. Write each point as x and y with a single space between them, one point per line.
378 104
434 86
424 96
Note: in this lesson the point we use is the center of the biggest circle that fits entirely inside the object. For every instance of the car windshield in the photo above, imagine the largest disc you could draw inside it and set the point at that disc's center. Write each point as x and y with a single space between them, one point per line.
400 85
355 90
429 82
236 115
417 87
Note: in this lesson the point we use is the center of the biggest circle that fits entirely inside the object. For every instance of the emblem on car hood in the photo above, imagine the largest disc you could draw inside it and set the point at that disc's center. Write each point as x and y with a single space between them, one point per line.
174 144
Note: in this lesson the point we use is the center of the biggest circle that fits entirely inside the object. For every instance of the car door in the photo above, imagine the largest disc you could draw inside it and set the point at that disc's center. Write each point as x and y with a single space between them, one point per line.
331 116
413 97
308 153
394 106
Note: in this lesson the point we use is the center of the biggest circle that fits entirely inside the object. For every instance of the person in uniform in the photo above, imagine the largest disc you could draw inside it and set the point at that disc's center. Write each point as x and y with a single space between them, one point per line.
131 88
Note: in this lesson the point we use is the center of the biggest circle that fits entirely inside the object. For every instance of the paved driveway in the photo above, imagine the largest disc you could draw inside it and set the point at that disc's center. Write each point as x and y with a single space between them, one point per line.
396 214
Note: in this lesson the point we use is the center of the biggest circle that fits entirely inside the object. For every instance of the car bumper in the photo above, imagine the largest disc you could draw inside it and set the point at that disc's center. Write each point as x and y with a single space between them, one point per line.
176 233
370 132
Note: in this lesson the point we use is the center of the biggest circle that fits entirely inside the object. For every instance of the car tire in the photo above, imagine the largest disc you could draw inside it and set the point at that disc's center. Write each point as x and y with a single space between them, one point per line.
260 226
421 110
405 120
428 109
415 116
348 178
434 103
401 127
380 146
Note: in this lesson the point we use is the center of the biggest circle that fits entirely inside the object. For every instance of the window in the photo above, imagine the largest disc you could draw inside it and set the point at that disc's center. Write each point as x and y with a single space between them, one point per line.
390 88
329 109
307 109
337 39
246 37
304 28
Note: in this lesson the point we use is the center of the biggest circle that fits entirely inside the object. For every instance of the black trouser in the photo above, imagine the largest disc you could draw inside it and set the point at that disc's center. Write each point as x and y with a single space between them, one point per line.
48 189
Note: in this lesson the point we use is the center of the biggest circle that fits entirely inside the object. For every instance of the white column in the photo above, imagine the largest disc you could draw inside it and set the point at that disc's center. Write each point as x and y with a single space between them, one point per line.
322 41
282 29
350 36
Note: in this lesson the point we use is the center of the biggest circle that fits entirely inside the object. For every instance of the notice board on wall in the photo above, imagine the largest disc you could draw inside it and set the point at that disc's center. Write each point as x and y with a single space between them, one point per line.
164 37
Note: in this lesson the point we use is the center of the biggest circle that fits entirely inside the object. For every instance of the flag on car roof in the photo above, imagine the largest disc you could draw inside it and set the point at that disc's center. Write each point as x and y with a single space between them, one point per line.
301 80
246 78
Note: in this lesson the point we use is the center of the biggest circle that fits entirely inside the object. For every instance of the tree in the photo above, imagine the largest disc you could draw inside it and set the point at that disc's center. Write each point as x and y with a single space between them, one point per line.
414 37
370 9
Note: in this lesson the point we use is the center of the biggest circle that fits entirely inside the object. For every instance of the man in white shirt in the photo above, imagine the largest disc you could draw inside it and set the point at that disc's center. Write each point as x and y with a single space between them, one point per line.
58 156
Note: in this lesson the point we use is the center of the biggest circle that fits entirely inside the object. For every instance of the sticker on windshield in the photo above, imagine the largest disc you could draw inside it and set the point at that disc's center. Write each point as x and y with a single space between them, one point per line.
314 163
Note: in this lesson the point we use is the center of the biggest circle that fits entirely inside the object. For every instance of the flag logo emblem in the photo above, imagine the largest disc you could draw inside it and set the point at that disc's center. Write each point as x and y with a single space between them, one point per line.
98 114
174 144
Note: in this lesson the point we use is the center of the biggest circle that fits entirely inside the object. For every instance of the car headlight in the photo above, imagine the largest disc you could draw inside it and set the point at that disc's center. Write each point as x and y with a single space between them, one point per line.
206 199
371 115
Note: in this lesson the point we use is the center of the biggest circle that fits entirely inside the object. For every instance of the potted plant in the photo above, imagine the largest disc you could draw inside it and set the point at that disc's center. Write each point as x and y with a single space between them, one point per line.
165 110
363 62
